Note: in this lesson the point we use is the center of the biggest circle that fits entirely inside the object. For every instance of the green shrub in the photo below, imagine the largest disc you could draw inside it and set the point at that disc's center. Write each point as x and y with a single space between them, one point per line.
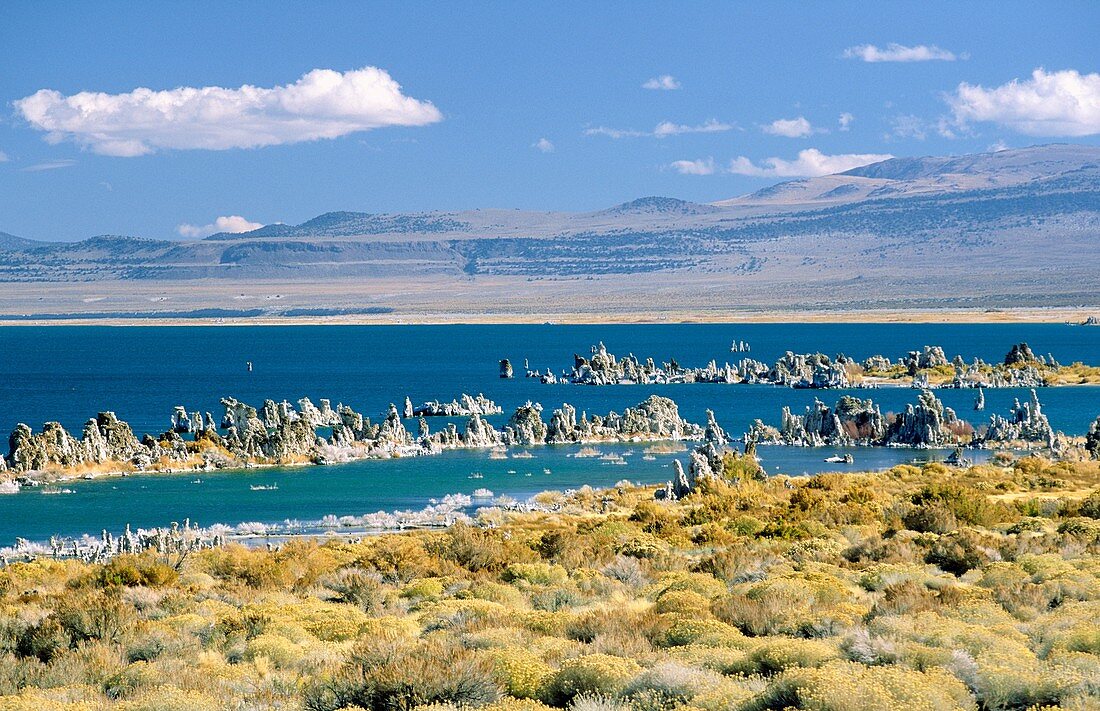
599 674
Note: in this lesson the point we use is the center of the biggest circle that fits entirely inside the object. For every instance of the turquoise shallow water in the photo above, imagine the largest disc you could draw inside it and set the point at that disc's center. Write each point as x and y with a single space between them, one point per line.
70 373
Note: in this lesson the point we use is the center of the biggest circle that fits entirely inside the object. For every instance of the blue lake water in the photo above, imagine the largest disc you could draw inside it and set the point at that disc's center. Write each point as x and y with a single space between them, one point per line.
68 374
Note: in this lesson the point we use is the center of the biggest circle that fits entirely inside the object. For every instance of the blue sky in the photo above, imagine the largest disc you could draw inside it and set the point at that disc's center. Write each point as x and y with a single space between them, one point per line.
535 106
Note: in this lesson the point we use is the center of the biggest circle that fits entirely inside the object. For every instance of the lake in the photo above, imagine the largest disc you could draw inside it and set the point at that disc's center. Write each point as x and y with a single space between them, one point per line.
69 374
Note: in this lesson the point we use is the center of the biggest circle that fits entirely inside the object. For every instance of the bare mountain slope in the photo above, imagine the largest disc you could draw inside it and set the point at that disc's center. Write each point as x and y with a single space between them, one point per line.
991 228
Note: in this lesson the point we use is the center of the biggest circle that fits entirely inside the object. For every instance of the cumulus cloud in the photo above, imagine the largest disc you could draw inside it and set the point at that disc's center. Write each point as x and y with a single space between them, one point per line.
665 82
661 130
809 163
1060 103
845 120
544 145
228 223
703 166
895 52
323 103
791 128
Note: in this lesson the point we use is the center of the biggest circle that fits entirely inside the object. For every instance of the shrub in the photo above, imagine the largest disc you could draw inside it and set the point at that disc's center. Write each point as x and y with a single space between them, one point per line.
130 570
168 697
709 632
476 549
847 686
599 674
1090 506
397 677
778 654
683 601
520 672
957 552
668 685
535 574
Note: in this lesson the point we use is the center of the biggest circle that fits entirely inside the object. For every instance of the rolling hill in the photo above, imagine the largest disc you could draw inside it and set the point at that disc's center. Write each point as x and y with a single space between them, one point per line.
992 229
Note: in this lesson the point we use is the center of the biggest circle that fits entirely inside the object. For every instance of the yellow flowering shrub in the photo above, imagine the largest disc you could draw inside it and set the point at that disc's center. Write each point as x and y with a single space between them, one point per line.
161 698
600 674
521 673
536 574
847 686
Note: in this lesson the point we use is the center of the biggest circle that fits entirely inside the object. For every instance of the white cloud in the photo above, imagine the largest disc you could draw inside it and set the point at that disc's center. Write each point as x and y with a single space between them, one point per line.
322 104
810 163
661 130
544 145
895 52
613 132
3 157
665 82
791 128
998 146
49 165
845 120
703 166
667 128
1060 103
230 223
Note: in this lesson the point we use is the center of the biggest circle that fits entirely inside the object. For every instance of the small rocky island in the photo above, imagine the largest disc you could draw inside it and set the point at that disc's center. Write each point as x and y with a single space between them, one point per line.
279 433
464 406
926 368
925 424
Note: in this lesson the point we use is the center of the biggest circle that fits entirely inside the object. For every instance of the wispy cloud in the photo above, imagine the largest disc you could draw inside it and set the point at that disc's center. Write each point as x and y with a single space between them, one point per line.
909 126
661 130
1059 103
614 132
322 104
667 128
809 163
544 145
49 165
791 128
230 223
665 82
704 166
895 52
845 120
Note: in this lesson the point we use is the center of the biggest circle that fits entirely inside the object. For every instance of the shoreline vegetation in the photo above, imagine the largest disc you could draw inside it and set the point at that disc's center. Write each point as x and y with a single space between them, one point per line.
927 587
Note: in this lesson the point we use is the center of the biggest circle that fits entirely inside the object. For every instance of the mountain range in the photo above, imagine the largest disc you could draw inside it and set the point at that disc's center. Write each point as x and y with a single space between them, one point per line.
990 229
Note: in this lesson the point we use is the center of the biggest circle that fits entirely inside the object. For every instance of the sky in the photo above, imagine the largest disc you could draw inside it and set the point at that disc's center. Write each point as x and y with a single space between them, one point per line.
177 119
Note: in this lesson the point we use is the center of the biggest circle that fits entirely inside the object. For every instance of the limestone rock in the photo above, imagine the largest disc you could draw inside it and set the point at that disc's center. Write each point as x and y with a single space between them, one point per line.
1026 423
1019 354
181 421
465 406
713 433
926 424
1092 439
480 433
525 427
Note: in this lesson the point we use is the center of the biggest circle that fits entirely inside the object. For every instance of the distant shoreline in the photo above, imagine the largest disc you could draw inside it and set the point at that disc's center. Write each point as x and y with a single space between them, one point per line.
1054 315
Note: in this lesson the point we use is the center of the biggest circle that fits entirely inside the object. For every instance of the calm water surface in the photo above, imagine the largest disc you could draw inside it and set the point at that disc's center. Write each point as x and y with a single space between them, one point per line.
70 373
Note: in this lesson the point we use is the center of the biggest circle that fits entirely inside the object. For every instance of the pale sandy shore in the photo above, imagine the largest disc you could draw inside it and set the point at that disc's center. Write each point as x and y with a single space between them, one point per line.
962 316
673 297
